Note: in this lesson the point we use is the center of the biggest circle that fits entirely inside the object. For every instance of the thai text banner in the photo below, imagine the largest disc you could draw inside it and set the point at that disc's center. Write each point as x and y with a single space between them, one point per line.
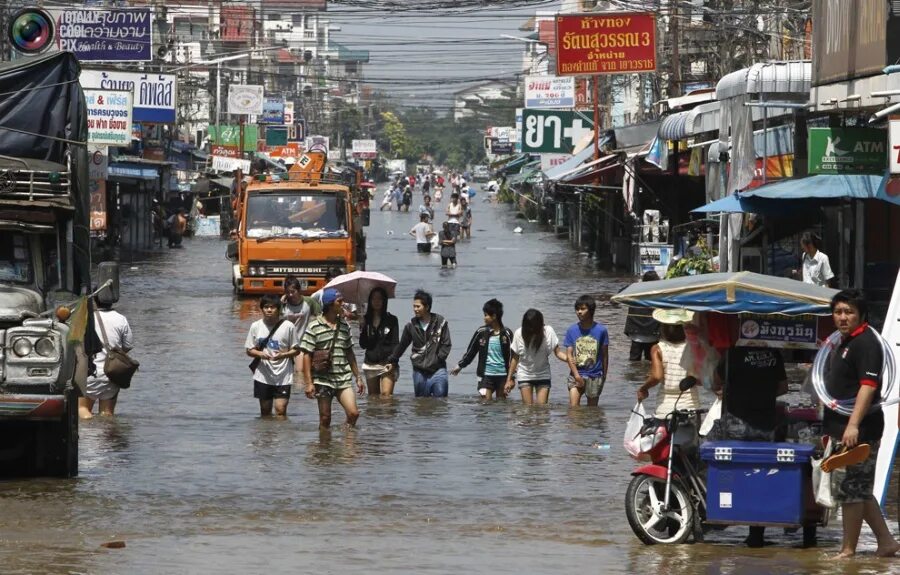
549 92
153 95
108 117
105 35
605 43
798 332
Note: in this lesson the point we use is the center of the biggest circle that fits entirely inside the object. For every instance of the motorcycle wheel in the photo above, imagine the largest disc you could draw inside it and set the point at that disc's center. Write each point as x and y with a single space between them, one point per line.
643 500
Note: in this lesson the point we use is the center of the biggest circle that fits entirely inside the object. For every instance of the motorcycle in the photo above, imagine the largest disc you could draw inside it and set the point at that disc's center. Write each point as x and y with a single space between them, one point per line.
666 498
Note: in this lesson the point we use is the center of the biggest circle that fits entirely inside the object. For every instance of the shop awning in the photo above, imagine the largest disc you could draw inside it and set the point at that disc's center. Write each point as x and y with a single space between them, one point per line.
683 125
781 78
819 187
556 172
514 164
133 171
528 172
590 168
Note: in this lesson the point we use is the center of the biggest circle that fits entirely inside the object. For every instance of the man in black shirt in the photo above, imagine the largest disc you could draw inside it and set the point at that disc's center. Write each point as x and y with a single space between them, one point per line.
855 372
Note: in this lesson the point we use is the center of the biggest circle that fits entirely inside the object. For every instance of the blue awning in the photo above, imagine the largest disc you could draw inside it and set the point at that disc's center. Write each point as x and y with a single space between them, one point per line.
819 187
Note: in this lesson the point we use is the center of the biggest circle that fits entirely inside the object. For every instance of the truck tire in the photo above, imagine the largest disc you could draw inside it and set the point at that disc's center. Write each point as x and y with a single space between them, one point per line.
57 442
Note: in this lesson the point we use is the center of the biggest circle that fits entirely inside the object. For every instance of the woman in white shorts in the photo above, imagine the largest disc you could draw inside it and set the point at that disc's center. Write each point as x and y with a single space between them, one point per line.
532 346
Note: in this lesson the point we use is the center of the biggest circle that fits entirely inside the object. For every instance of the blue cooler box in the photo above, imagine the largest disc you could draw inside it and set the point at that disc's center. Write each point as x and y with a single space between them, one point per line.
756 482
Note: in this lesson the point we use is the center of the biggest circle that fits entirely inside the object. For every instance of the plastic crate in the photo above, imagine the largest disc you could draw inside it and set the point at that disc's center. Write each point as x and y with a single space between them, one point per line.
756 482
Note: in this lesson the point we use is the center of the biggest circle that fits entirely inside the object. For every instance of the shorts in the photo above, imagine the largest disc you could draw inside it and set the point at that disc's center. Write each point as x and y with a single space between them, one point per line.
328 392
593 386
423 248
101 389
535 383
267 392
492 382
854 483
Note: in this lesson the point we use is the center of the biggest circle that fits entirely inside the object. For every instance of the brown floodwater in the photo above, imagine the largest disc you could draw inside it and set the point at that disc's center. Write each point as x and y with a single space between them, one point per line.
193 481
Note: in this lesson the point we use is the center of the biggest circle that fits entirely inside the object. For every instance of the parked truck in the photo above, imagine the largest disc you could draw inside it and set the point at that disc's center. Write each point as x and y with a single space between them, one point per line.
303 224
44 262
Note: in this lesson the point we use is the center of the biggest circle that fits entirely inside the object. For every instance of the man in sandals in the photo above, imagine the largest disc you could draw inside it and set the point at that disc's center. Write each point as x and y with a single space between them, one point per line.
855 373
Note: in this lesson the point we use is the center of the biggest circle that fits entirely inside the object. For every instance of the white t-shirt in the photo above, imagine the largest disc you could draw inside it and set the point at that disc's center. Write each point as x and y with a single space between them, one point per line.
279 372
118 335
453 213
421 230
303 314
817 269
534 364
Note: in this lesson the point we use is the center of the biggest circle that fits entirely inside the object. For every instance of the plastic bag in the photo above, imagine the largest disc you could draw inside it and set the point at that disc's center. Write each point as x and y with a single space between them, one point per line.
633 429
714 413
822 480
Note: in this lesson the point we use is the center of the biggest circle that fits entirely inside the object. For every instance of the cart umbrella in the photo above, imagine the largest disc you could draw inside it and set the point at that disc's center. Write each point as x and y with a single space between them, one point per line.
736 292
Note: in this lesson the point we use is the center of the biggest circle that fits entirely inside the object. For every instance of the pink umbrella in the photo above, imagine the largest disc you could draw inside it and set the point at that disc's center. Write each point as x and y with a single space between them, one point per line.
355 286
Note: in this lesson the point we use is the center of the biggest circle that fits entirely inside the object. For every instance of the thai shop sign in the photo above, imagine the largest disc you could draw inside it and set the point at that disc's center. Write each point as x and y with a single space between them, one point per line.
553 131
797 332
245 99
108 117
231 136
153 95
549 92
105 35
97 188
365 149
847 150
605 43
273 111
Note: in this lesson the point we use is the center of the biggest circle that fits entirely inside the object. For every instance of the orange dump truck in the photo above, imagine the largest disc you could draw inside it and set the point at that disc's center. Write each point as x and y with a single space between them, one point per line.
300 224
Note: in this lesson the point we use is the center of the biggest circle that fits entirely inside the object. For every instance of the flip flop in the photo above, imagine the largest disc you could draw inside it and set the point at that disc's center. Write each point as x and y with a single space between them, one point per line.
846 457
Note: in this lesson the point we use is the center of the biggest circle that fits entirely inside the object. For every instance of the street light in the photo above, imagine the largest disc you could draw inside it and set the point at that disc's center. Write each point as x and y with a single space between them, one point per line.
218 63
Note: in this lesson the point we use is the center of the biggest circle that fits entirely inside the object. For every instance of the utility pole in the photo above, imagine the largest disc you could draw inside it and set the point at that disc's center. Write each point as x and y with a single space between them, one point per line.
675 76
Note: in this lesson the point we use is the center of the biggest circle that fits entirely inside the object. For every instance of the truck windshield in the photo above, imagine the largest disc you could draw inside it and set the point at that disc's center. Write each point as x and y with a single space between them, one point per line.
296 214
15 258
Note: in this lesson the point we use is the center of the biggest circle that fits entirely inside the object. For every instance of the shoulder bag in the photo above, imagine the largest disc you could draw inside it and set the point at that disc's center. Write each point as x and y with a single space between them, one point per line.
118 367
321 358
262 345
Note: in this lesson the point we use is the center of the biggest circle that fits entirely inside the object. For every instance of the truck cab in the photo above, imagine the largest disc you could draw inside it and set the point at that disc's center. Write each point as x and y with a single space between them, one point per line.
300 224
38 405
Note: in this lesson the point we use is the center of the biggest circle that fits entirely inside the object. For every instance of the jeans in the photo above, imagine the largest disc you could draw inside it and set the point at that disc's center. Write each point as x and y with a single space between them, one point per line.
434 385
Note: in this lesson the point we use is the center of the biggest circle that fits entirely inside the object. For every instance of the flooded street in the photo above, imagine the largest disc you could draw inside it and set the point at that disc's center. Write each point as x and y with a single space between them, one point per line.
194 481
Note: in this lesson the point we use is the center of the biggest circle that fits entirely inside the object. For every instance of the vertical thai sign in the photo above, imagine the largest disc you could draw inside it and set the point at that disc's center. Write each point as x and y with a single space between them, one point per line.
98 205
605 43
894 145
105 35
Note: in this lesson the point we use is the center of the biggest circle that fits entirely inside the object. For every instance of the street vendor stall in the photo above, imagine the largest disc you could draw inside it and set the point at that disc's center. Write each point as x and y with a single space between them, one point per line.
685 488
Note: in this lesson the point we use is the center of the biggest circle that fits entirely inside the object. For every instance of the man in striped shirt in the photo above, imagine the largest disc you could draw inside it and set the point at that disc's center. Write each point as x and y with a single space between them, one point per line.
330 333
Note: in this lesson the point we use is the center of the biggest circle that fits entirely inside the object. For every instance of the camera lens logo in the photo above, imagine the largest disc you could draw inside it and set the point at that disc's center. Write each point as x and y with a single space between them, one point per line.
30 31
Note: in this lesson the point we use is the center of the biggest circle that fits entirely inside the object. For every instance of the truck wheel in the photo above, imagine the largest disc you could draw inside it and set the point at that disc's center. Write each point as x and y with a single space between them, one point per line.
57 442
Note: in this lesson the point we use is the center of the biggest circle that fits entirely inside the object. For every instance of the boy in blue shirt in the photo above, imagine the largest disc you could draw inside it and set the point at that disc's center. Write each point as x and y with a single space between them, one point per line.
587 353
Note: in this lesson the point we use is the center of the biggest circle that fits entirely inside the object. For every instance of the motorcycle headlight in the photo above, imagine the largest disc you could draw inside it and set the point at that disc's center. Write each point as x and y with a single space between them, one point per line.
22 347
45 347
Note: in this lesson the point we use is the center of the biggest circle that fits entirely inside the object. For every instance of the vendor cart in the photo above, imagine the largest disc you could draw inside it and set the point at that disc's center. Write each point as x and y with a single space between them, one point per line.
686 489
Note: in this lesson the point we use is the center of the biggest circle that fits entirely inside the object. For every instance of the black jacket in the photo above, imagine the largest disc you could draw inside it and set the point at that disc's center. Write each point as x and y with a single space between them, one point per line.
430 348
380 342
479 345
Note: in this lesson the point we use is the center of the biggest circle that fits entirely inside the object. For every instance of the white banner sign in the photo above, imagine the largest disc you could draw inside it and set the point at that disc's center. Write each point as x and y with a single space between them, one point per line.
894 146
289 113
366 149
153 95
108 117
223 164
245 99
549 92
552 160
98 167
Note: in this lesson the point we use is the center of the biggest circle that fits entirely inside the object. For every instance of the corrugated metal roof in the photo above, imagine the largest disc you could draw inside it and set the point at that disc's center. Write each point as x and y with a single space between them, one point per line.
783 78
